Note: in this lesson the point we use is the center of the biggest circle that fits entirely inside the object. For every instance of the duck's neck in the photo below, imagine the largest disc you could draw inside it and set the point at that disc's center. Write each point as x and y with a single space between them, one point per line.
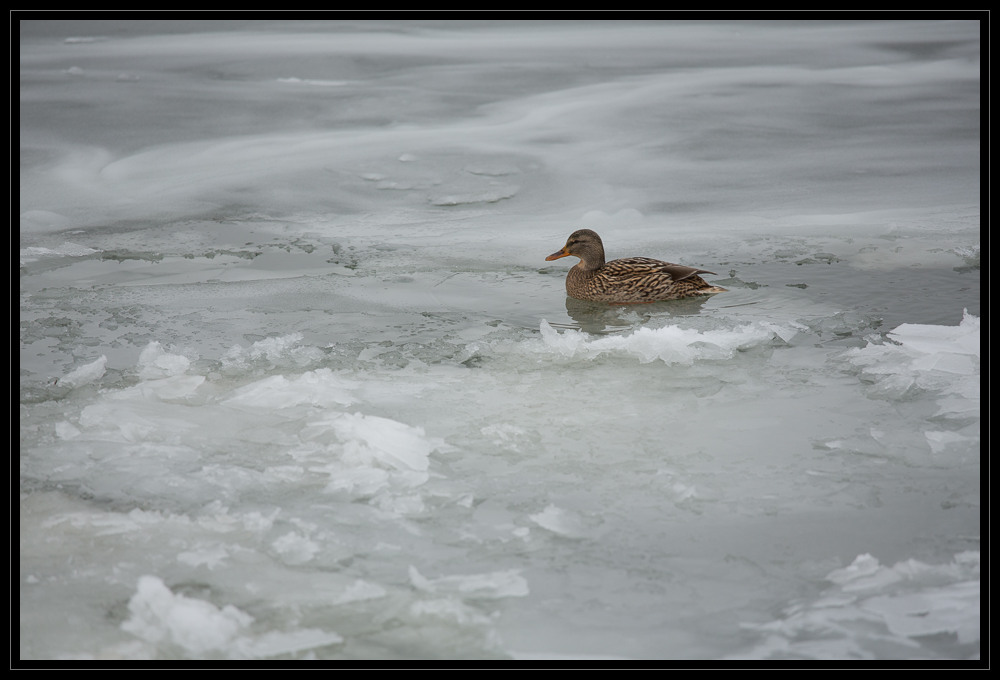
591 259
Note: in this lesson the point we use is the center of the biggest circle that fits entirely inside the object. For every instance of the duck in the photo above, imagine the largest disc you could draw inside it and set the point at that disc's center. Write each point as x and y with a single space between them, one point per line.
629 280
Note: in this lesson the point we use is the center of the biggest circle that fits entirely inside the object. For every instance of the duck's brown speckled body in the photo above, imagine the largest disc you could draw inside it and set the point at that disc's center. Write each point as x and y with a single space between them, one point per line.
628 280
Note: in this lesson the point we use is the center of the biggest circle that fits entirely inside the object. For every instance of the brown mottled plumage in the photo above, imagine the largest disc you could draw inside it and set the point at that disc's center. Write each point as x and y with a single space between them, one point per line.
628 280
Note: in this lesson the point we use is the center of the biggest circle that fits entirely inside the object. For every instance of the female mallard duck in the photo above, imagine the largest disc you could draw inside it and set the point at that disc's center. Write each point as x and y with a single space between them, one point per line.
629 280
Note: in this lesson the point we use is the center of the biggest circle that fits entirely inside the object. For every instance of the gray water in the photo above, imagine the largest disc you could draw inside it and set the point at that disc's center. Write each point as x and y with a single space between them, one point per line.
297 383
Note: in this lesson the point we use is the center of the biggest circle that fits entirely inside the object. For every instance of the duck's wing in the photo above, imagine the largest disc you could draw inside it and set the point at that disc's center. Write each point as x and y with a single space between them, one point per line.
638 267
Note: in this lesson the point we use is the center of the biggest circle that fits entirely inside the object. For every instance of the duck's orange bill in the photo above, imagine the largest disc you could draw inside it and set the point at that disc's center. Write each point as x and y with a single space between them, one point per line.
559 253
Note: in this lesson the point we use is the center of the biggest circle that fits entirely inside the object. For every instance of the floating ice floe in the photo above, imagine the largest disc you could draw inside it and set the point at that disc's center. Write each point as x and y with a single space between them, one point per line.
312 81
321 387
87 373
67 249
559 521
942 359
161 617
372 440
155 362
491 586
283 349
670 344
370 457
158 615
490 195
874 611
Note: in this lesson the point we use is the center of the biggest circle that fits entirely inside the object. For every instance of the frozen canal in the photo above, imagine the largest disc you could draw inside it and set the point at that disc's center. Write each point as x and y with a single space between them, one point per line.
296 381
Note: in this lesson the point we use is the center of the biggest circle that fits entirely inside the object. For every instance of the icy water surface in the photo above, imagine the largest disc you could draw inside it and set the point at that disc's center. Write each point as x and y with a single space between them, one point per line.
297 383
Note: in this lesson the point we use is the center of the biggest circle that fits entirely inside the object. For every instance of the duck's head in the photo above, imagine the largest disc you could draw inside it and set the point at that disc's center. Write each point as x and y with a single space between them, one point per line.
584 244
